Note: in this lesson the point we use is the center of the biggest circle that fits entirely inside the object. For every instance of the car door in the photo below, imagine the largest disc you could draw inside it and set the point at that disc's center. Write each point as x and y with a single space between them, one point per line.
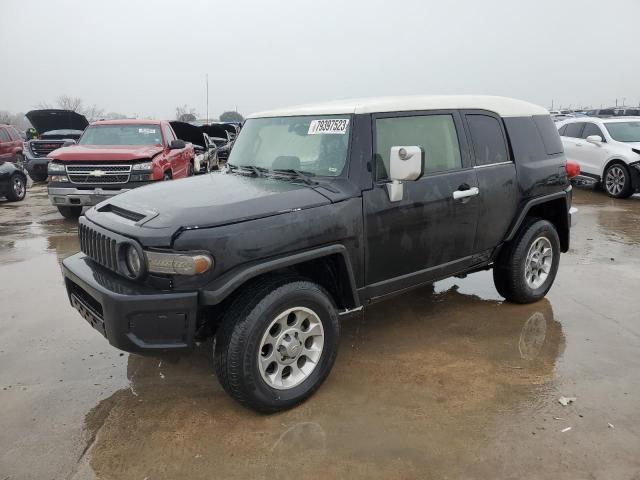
571 140
5 145
174 156
497 182
427 234
592 156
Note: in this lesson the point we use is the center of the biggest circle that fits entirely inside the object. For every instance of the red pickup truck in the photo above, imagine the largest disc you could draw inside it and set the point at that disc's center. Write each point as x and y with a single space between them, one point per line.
113 156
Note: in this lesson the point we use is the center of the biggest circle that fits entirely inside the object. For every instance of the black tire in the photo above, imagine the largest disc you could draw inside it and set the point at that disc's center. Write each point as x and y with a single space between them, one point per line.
509 269
167 175
191 171
616 181
72 213
238 340
38 177
17 187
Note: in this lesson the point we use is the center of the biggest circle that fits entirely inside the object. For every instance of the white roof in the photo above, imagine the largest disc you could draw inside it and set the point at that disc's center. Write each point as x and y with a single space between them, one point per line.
503 106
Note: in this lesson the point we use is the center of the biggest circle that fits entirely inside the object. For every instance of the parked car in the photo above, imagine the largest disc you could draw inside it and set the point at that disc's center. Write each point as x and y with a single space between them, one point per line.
627 112
55 129
13 181
223 135
206 151
324 209
114 156
10 144
607 150
601 112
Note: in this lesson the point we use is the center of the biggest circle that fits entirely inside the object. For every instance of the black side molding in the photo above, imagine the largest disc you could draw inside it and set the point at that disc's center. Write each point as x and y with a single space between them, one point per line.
222 287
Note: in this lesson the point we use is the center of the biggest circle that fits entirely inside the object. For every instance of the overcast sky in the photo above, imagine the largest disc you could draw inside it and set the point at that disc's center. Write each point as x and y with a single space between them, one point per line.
147 57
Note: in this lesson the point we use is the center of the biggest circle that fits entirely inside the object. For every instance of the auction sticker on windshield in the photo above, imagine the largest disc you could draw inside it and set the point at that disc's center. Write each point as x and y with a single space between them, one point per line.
335 126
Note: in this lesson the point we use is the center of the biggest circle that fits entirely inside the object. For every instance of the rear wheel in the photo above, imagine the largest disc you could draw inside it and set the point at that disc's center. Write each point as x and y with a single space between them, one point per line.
617 181
167 175
277 343
527 266
18 188
72 213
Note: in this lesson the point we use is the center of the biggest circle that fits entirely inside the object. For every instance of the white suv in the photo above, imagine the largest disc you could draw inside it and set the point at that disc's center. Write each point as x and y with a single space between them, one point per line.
607 149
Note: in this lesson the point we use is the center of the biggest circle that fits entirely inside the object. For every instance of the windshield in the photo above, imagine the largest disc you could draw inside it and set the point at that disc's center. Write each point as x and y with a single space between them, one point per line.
139 134
624 131
312 144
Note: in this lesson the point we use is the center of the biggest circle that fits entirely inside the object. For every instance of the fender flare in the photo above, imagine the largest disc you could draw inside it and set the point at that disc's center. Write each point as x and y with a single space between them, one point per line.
531 203
220 288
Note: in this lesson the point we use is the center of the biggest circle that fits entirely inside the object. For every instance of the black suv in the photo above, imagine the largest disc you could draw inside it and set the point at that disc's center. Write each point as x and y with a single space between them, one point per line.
322 210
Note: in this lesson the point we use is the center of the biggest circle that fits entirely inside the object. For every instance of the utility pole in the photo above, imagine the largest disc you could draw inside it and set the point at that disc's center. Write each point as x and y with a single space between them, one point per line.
207 80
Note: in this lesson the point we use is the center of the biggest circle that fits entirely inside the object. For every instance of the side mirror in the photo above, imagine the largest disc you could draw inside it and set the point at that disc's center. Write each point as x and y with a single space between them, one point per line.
68 142
595 139
177 144
405 164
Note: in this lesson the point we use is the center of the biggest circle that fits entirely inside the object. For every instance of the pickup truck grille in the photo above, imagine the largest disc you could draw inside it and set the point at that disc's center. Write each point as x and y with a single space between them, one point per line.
99 174
100 247
44 148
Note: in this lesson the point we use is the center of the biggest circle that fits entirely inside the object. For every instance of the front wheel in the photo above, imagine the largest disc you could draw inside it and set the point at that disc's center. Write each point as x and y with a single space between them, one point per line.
38 177
17 188
617 181
527 266
72 213
277 343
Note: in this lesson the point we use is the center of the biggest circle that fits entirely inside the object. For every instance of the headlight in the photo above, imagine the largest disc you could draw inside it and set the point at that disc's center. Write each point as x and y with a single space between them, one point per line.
133 261
142 166
55 168
178 263
58 178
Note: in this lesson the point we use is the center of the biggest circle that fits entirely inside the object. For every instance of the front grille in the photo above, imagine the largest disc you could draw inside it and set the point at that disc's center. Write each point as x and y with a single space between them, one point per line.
99 174
42 149
100 247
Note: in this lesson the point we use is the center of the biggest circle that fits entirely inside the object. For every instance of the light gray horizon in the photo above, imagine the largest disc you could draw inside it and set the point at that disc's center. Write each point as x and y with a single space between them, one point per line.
145 58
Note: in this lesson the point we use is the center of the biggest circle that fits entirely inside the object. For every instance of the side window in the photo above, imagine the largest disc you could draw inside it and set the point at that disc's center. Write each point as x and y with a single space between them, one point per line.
4 136
488 141
436 134
591 129
573 130
168 134
561 130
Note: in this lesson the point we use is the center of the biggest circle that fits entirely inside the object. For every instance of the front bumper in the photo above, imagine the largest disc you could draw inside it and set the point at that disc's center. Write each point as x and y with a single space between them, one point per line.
36 165
71 196
132 317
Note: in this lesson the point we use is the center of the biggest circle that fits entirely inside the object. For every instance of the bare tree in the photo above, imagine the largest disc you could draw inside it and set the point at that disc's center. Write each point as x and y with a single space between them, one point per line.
93 112
186 114
67 102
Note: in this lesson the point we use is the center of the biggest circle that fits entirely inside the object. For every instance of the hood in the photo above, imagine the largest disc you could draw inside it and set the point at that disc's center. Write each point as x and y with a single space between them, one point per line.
188 133
105 152
54 119
212 200
219 130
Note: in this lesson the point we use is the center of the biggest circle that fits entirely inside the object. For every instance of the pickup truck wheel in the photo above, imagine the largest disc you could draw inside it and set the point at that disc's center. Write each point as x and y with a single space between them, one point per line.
527 266
277 343
38 177
617 181
18 187
72 213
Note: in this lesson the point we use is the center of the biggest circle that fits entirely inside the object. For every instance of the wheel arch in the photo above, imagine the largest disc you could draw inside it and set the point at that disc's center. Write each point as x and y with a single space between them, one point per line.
610 162
329 266
553 208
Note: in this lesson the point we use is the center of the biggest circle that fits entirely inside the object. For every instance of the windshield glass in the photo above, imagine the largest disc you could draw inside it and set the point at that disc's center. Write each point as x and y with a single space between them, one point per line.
122 135
312 144
624 131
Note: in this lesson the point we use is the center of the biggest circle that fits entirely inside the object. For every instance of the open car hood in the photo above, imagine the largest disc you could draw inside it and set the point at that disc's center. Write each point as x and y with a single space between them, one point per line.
188 133
54 119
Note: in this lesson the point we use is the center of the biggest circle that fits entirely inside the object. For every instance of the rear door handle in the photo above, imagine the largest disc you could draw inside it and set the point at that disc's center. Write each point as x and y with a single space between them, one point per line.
470 192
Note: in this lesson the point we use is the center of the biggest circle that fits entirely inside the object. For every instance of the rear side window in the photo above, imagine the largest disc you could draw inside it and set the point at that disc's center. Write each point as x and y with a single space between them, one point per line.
574 130
168 134
591 129
562 129
549 134
489 144
436 134
4 136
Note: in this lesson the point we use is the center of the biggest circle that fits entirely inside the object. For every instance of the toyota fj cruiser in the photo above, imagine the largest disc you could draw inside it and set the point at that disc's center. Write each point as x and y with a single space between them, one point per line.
322 210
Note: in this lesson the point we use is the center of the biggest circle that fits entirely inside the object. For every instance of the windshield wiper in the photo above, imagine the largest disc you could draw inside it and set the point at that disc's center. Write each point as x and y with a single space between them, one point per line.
305 177
257 171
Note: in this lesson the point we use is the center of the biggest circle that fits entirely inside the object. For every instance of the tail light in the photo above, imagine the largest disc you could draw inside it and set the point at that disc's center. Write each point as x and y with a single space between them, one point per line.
573 168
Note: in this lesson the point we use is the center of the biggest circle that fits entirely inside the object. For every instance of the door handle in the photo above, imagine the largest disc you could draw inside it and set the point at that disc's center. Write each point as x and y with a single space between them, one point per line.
471 192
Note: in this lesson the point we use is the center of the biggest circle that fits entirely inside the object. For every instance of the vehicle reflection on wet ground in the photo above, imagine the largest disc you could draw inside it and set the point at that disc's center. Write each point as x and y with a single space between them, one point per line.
446 381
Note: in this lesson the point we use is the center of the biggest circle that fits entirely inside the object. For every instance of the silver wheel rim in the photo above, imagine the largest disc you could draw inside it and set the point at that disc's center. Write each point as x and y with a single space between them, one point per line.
538 263
291 348
615 180
18 187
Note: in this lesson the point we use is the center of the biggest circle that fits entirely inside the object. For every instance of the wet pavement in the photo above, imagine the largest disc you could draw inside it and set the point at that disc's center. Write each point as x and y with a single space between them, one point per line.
442 382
